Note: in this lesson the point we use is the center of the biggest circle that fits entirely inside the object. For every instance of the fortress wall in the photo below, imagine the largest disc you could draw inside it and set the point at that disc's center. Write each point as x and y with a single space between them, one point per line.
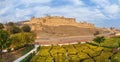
87 25
59 21
36 23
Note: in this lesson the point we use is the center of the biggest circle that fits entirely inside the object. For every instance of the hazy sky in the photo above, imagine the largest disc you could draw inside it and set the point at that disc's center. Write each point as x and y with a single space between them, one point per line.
101 12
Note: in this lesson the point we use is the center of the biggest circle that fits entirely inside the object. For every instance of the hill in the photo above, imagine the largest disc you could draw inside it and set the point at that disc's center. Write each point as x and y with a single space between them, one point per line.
67 30
61 26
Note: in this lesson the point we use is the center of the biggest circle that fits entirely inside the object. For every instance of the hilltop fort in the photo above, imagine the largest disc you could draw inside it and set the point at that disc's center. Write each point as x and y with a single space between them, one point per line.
57 26
37 23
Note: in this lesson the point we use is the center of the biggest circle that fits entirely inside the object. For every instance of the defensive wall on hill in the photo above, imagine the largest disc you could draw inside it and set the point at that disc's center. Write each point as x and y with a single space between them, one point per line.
37 23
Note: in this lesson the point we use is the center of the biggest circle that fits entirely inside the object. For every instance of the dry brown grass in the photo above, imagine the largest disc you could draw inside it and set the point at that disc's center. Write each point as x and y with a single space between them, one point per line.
66 30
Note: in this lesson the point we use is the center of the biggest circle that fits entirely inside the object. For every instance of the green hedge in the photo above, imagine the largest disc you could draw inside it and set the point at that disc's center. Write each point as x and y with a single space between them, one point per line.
27 49
116 57
75 53
38 48
28 58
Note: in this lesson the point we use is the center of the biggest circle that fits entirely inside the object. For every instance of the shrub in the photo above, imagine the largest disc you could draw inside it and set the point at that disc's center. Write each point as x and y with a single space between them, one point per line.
38 48
15 30
28 58
111 42
26 28
21 39
116 57
27 49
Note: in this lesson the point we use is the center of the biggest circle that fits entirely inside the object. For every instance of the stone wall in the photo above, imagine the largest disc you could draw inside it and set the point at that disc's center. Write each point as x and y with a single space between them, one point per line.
37 23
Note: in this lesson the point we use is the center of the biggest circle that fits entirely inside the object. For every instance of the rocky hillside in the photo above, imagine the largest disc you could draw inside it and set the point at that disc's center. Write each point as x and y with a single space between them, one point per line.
65 30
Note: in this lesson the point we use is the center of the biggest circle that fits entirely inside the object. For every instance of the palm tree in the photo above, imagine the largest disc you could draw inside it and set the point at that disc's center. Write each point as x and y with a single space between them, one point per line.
4 41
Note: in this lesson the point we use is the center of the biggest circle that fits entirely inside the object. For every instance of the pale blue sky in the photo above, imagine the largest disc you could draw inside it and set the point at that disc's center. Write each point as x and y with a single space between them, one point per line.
100 12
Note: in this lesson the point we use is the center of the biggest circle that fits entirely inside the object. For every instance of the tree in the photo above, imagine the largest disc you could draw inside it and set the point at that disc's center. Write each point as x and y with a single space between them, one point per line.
21 39
99 39
10 24
12 28
15 30
4 41
1 26
26 28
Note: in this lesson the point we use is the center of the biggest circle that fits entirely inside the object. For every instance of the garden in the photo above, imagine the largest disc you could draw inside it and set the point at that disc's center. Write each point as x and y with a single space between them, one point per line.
73 53
88 52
